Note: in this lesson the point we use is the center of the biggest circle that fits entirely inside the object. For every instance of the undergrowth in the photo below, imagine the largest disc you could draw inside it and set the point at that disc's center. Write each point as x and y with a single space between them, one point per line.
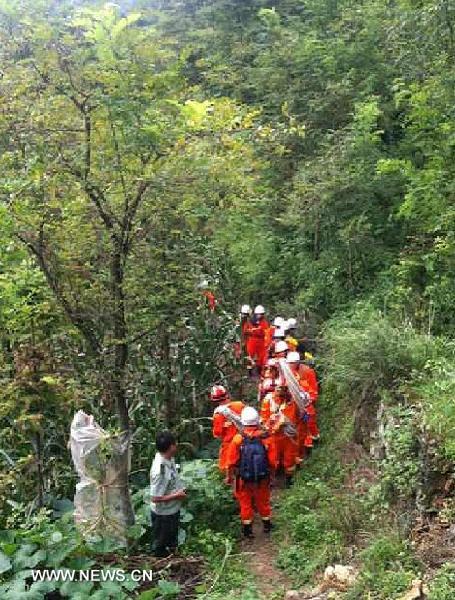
345 505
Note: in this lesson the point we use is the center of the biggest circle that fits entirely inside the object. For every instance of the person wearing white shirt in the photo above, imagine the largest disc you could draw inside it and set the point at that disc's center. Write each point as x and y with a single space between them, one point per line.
166 494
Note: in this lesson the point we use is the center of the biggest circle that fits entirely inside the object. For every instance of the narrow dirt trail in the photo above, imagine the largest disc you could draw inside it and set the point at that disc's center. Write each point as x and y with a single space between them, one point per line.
261 552
260 556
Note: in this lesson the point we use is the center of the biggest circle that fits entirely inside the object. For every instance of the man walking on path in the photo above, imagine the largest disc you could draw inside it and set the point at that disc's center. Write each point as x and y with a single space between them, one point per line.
249 456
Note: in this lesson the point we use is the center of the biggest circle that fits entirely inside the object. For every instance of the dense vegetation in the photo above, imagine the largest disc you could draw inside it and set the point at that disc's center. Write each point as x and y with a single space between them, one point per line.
296 152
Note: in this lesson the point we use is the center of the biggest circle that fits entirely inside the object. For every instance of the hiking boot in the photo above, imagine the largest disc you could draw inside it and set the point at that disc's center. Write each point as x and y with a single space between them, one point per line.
268 525
247 529
289 480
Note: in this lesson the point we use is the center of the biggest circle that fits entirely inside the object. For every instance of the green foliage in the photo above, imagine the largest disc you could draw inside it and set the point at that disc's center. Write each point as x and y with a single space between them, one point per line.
338 503
210 501
235 581
443 583
401 465
296 154
46 543
324 520
387 570
367 351
436 394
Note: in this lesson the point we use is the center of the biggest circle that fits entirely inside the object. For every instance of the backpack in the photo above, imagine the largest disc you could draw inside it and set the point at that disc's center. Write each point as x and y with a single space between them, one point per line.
254 464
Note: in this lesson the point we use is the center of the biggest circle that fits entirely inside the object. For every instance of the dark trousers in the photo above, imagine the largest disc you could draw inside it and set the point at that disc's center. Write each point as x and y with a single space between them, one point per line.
165 533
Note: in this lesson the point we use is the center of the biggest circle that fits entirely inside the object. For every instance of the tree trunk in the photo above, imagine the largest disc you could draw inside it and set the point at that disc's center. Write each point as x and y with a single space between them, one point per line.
169 408
117 383
120 343
39 468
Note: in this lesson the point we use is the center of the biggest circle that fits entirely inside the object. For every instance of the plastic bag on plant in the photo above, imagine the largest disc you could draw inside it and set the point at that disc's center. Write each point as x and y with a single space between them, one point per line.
102 505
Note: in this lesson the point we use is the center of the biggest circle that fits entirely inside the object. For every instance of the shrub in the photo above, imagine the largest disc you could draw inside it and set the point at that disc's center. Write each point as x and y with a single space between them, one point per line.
210 500
442 585
366 350
436 395
388 569
400 467
47 544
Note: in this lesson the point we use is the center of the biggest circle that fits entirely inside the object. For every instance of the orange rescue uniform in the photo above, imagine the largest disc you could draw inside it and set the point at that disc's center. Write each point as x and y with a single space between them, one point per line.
257 342
250 495
224 430
309 375
240 346
284 448
307 427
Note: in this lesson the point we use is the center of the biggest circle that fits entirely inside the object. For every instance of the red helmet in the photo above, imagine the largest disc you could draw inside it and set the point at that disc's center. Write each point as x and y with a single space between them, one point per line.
218 393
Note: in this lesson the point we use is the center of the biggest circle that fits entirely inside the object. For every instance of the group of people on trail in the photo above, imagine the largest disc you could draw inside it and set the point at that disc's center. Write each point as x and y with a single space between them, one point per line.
256 444
258 337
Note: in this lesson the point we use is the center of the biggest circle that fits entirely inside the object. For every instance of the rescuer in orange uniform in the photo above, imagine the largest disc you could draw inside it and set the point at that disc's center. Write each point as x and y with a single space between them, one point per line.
258 338
209 295
269 379
240 345
280 350
307 386
248 458
222 427
245 313
211 299
278 323
280 416
275 333
277 336
309 375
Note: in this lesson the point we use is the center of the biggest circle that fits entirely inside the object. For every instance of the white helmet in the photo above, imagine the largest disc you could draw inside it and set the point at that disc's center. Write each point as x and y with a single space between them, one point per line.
259 310
278 321
281 346
293 357
292 323
279 333
249 416
245 310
